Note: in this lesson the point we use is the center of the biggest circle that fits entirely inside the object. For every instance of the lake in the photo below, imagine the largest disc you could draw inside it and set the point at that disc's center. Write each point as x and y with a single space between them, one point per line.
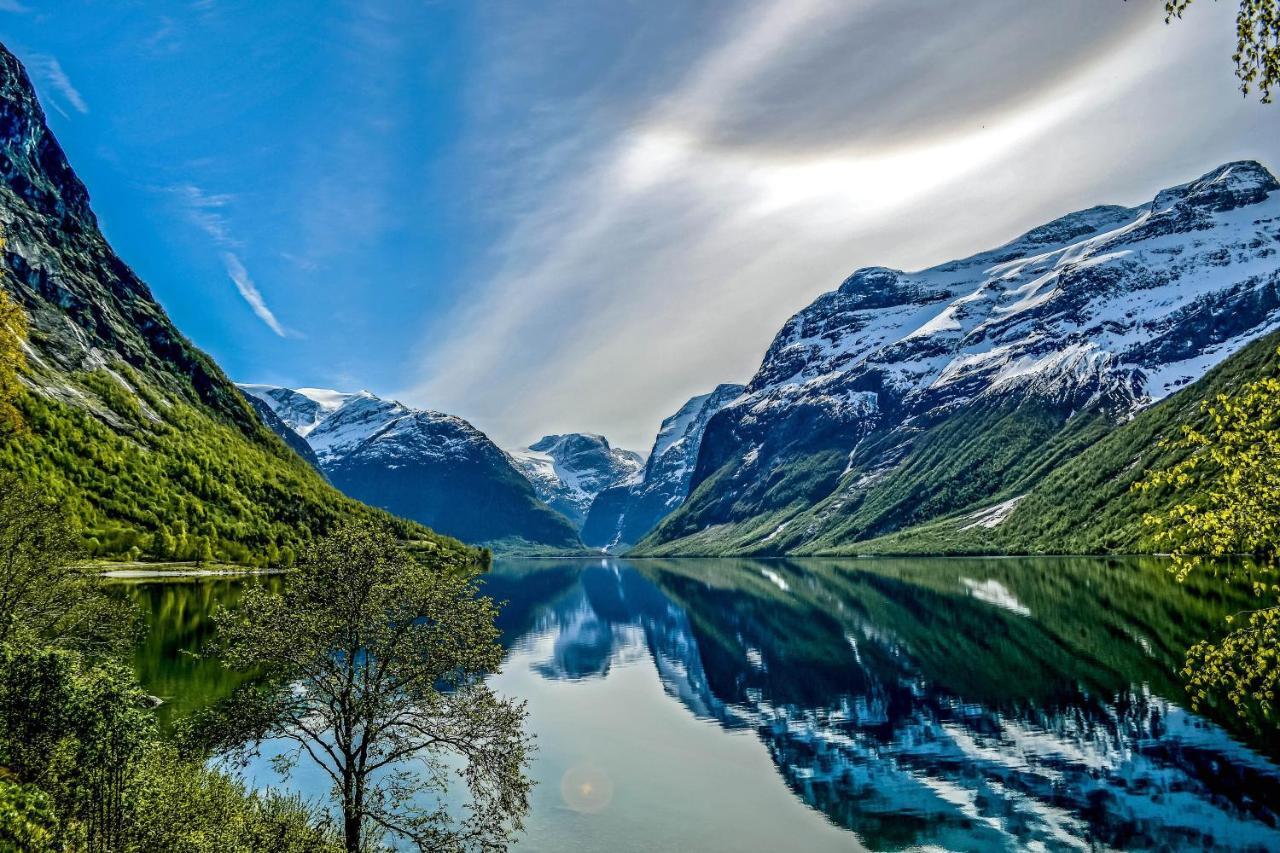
821 704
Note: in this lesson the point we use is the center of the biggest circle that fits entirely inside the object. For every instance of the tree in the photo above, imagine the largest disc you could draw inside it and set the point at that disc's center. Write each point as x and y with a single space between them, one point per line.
43 594
86 770
1228 510
76 731
1257 55
166 546
373 667
204 551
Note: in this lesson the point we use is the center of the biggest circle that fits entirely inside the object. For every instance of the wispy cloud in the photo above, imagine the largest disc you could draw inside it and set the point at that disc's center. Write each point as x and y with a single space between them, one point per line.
244 284
205 210
685 200
165 39
49 71
13 6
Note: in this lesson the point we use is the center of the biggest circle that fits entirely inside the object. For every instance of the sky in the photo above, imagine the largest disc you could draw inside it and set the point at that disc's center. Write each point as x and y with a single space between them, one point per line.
572 215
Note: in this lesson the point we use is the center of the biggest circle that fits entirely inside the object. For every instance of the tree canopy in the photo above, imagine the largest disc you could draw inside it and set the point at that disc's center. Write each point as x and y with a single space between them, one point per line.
13 334
1229 512
373 666
1257 55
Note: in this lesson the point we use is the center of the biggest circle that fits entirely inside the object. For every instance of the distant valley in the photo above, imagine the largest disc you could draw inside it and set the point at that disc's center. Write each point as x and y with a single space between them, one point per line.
891 404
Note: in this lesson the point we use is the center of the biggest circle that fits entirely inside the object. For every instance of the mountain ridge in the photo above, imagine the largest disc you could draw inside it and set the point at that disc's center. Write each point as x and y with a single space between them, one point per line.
432 467
852 426
569 471
136 432
625 513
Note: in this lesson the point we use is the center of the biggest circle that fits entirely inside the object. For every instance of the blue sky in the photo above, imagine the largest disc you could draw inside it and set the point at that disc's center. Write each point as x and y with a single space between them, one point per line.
572 215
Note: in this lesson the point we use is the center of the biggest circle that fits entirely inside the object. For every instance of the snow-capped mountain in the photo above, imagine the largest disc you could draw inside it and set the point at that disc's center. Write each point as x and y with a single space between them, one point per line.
301 410
625 513
1103 311
431 467
568 471
296 443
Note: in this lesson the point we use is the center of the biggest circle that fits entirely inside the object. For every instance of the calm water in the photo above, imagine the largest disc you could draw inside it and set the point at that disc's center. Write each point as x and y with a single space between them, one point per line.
957 704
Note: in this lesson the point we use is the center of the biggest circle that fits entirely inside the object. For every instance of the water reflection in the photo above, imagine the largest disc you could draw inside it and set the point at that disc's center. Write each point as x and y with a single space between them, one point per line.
961 704
179 621
965 704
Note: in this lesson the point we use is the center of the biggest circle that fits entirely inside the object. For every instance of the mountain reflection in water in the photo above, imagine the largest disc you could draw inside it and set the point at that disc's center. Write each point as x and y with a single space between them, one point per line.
958 704
966 704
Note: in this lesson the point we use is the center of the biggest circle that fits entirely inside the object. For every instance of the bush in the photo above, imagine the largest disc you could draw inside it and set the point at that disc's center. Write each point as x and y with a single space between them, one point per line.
27 823
184 807
91 771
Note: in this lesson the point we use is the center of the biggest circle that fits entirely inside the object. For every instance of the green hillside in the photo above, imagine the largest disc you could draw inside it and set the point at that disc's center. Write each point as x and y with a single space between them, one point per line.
1071 474
148 445
1086 504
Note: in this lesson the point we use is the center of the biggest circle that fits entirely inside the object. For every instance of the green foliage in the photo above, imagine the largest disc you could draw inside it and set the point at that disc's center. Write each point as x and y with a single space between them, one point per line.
43 596
1080 497
142 475
934 470
13 359
75 730
82 740
373 664
1257 55
27 821
1227 505
180 806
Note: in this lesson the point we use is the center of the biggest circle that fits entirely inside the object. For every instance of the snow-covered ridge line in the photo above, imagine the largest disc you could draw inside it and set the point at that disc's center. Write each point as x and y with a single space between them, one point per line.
1106 303
1107 311
430 466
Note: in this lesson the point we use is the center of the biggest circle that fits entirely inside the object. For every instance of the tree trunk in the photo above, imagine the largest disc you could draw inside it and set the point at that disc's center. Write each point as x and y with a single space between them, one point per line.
351 830
350 812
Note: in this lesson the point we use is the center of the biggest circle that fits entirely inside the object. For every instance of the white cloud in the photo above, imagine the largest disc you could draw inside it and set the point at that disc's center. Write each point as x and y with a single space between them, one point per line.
653 247
50 72
13 6
249 291
205 212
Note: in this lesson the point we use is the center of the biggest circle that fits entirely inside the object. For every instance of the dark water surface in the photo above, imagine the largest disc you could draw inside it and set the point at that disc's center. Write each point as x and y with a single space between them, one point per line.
895 704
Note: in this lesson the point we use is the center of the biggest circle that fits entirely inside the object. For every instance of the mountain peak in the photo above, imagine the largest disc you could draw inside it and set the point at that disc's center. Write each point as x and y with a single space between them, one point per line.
1227 187
575 440
31 161
868 280
568 471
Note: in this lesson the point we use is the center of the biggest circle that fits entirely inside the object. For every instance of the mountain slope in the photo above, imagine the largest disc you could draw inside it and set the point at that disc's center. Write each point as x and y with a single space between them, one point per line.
624 514
568 471
906 397
1086 504
431 467
138 433
295 442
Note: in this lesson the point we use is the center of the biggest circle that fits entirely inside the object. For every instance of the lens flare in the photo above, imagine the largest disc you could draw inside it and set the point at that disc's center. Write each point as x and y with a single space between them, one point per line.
586 788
